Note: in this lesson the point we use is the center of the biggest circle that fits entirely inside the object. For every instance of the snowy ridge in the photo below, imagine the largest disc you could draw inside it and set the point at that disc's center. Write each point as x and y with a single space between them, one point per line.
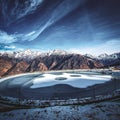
31 54
112 56
104 56
89 55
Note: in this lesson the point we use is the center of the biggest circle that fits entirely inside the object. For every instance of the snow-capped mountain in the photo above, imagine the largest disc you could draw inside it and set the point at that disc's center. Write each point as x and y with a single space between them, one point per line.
58 52
102 56
89 55
106 56
27 54
105 59
30 61
31 54
110 60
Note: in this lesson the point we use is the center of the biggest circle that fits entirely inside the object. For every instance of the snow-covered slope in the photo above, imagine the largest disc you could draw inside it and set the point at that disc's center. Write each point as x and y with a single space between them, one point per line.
107 60
99 111
112 56
58 52
110 60
89 55
104 55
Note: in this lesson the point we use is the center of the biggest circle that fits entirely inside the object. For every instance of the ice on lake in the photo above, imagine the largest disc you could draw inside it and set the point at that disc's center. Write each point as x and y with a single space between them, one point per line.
75 80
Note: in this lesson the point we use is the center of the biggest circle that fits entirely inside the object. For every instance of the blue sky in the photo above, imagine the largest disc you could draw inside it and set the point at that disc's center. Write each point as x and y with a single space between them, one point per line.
83 26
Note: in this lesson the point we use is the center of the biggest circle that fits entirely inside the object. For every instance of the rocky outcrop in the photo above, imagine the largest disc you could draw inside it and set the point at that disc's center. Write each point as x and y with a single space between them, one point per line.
42 67
5 65
19 67
62 62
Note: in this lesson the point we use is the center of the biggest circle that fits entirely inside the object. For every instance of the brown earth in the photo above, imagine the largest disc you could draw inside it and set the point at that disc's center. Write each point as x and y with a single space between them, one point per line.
10 66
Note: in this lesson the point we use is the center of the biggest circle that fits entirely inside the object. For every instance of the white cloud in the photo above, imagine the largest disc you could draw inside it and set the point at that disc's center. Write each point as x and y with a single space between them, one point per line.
108 47
11 38
31 33
10 47
30 36
6 38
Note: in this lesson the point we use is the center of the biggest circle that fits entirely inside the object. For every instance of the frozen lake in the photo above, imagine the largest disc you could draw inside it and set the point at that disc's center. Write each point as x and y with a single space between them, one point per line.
62 85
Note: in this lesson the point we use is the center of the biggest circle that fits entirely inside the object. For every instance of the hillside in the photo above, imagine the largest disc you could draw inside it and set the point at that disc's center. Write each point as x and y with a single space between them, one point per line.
10 64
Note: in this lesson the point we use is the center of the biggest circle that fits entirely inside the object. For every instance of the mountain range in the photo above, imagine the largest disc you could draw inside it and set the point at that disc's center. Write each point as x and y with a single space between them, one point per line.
107 60
30 61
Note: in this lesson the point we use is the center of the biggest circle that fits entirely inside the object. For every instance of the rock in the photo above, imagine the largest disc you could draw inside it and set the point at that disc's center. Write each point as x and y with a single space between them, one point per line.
5 65
20 67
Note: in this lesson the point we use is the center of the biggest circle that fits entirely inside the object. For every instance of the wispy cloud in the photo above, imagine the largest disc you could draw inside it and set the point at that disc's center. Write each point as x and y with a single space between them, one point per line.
7 47
61 10
31 33
27 37
6 38
10 47
11 38
19 10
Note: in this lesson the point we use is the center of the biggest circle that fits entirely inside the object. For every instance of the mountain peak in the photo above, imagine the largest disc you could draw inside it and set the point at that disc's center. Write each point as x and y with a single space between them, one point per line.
59 52
89 55
102 56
